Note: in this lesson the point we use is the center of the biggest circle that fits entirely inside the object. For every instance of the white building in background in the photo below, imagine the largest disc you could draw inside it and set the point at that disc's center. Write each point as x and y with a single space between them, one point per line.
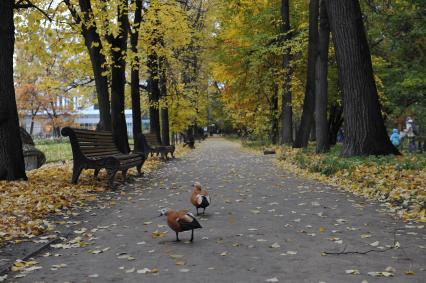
86 118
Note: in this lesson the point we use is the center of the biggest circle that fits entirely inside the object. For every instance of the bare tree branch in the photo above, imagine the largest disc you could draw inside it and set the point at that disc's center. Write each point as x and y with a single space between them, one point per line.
25 4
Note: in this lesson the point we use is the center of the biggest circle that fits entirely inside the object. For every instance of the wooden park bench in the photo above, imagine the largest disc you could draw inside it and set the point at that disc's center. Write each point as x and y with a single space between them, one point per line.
188 140
151 145
97 150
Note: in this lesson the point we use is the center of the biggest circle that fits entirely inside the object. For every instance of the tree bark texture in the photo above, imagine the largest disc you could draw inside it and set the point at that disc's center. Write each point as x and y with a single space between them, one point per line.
302 137
154 95
165 130
365 132
274 116
286 107
321 85
93 44
134 76
12 166
118 79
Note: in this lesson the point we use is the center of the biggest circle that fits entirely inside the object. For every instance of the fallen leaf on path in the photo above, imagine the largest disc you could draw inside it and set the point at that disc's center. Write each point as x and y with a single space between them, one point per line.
275 279
352 271
380 274
176 256
157 234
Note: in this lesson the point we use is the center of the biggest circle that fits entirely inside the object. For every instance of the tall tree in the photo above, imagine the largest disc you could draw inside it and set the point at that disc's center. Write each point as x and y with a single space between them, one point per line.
286 108
321 85
93 43
134 79
274 115
165 129
365 132
302 137
154 94
12 166
118 77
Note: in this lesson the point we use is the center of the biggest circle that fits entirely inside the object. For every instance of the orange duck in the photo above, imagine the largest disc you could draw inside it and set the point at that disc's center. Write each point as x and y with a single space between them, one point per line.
200 198
180 221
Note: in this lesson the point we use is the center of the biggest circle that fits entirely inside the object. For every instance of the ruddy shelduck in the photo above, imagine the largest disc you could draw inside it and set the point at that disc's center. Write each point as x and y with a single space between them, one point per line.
180 221
200 198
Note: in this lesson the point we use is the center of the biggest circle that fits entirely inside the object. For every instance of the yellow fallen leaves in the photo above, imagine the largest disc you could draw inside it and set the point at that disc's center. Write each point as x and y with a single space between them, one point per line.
25 205
157 234
398 181
19 265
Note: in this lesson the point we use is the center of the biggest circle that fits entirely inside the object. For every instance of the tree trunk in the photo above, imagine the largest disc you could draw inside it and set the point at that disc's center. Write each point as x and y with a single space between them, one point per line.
365 132
12 166
286 107
274 116
302 137
321 87
93 44
165 134
335 121
134 84
32 125
154 95
118 79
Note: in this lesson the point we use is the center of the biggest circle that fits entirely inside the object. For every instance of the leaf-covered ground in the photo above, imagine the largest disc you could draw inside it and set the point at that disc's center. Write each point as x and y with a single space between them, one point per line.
25 206
264 225
399 181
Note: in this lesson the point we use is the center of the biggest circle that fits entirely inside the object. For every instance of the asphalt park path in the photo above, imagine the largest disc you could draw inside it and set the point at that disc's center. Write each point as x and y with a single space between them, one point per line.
264 225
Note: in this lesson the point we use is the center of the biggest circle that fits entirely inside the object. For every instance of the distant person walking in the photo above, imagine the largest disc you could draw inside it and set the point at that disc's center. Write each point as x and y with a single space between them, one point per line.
411 131
395 138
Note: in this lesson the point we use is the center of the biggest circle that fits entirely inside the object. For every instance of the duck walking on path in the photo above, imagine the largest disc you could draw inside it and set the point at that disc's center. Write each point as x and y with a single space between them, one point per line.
180 221
200 198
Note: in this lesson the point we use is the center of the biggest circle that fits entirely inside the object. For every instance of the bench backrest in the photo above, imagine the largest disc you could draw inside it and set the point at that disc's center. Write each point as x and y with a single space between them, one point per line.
152 140
91 143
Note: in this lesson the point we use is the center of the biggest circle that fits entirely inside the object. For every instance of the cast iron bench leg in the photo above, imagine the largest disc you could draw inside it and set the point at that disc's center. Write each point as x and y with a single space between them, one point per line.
139 168
111 175
75 174
124 174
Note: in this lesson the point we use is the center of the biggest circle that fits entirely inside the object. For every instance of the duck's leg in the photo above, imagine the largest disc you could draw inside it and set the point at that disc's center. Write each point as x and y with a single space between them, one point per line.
177 237
204 210
197 210
192 235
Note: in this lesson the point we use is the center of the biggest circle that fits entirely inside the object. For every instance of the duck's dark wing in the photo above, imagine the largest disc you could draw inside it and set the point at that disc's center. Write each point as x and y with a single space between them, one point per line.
205 201
186 225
